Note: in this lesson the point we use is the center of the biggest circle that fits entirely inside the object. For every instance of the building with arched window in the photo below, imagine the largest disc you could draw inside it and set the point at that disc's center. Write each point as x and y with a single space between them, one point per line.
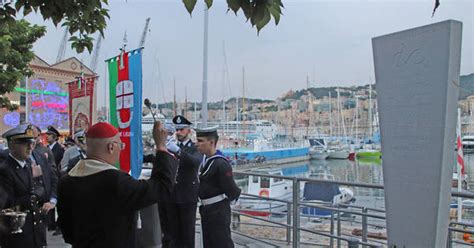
43 98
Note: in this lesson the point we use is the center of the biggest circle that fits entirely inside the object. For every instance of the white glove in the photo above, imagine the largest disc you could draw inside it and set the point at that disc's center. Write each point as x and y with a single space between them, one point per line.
171 145
170 138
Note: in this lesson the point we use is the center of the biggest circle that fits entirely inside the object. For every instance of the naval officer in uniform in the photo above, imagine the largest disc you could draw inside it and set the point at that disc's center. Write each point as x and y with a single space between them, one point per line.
187 182
217 190
28 184
56 148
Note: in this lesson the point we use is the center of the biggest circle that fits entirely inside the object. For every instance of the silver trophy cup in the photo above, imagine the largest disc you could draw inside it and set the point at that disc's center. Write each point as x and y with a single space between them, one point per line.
13 221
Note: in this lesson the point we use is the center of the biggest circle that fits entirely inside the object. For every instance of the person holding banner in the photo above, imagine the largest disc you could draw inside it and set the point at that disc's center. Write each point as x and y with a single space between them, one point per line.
217 189
97 202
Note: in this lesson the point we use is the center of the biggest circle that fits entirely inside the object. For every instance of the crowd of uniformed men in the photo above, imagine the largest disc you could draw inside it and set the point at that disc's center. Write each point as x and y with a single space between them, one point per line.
97 204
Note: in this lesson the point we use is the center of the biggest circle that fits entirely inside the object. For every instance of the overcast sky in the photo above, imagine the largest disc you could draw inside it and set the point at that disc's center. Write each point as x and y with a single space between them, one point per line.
327 40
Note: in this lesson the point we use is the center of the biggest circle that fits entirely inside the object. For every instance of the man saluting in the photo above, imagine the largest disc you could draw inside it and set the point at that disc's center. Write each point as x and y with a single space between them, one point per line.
97 202
187 184
216 190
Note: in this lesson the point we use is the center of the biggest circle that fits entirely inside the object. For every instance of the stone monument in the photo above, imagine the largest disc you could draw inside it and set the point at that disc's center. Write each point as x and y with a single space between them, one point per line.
417 82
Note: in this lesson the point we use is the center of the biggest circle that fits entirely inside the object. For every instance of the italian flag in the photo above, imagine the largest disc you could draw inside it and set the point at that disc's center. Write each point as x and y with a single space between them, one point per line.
125 87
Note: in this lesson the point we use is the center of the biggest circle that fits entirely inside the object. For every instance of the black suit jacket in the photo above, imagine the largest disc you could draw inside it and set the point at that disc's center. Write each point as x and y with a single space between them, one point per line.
3 200
47 153
17 183
3 155
50 179
187 183
167 194
58 152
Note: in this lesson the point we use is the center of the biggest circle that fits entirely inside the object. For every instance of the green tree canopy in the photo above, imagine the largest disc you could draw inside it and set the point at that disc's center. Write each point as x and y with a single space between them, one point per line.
16 43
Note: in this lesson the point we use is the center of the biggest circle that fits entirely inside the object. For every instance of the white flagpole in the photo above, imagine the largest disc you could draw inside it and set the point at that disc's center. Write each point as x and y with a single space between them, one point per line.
204 114
458 167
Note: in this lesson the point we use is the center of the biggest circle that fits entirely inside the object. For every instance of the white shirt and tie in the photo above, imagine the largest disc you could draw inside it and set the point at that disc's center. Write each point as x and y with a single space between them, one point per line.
182 144
52 145
20 162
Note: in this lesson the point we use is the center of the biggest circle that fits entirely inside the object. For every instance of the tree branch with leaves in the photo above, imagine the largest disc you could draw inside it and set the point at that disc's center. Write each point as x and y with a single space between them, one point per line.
259 12
16 44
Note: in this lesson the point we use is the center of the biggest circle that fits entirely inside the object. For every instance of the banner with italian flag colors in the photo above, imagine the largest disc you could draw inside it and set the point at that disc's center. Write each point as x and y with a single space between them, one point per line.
125 87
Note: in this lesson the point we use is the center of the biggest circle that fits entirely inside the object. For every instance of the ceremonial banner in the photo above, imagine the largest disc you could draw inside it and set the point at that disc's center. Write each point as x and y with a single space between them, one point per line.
125 84
81 105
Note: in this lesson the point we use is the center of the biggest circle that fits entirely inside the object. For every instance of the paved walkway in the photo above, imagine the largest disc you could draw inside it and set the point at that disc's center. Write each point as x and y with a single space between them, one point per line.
58 241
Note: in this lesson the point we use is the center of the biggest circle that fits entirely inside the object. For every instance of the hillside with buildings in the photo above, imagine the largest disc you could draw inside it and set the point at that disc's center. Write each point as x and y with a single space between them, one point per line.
355 110
467 86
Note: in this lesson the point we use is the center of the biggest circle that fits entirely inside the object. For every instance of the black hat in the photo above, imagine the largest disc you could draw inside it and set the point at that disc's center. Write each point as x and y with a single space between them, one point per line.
21 132
52 130
180 122
207 132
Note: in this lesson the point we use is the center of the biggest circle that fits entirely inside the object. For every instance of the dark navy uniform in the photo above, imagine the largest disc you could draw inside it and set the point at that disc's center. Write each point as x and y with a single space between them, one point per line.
58 151
25 192
186 193
3 200
216 182
217 189
178 214
167 210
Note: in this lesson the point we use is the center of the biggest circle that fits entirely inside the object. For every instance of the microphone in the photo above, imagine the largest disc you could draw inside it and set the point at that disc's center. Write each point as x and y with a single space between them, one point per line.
148 105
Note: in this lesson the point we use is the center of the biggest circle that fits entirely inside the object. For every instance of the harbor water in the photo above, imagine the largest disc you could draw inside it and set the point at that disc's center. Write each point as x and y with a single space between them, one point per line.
358 171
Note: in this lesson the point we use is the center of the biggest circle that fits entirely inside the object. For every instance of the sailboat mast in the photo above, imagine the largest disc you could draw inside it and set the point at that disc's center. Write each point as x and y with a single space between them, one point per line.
186 101
370 111
339 116
243 102
106 94
223 89
237 118
307 107
195 113
330 115
343 121
243 93
356 116
174 97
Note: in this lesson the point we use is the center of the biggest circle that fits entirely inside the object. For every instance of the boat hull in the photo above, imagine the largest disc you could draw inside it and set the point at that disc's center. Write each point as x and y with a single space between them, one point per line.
338 155
257 207
369 154
318 155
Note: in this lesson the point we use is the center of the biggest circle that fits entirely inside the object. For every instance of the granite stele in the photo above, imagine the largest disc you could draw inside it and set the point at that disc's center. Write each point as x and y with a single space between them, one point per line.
417 78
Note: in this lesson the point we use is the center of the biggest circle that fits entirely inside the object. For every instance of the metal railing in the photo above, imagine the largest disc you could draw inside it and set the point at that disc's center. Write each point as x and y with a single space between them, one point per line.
293 213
